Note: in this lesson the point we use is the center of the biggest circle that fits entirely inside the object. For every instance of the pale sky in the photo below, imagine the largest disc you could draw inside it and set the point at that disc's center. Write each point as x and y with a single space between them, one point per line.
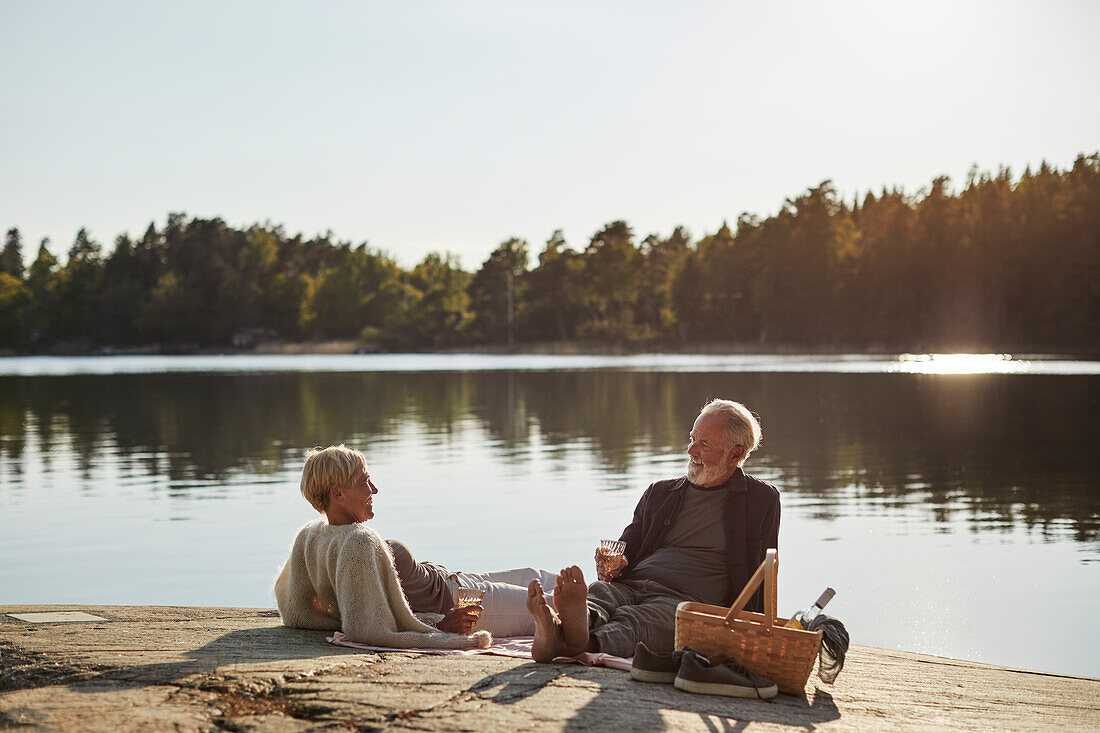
452 126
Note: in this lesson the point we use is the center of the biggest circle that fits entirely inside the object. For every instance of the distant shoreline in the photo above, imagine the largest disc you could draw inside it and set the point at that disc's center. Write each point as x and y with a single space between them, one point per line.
557 348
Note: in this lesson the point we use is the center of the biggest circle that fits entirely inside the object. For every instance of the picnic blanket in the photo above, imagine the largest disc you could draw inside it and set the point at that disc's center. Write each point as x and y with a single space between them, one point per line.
512 646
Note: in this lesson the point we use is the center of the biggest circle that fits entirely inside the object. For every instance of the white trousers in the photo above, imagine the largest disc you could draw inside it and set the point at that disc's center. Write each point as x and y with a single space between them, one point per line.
505 601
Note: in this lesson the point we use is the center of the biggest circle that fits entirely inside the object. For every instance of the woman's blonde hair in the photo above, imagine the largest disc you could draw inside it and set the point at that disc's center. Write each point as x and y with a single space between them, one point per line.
327 469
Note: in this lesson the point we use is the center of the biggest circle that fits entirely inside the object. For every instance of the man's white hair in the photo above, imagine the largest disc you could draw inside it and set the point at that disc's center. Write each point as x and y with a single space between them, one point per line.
742 426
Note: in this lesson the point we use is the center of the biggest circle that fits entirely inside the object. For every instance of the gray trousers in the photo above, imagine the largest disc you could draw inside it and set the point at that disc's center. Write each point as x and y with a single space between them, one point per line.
505 599
622 613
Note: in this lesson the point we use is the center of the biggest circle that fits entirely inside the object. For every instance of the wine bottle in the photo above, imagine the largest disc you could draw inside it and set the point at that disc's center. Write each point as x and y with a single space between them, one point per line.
802 619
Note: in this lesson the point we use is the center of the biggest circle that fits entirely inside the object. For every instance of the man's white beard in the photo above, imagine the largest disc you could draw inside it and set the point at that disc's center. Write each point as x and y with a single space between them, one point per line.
708 474
702 476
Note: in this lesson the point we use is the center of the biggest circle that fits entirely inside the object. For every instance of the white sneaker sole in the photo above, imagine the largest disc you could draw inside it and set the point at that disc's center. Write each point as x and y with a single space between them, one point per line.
717 688
649 675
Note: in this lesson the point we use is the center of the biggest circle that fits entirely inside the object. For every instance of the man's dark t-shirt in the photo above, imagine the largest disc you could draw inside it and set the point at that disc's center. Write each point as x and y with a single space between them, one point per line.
692 560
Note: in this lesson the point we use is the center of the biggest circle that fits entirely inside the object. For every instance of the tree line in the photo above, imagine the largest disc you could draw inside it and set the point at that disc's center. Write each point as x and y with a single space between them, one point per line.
1004 264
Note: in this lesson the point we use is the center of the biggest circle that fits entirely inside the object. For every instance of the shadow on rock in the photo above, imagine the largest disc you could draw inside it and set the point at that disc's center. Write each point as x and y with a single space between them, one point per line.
621 698
516 684
621 703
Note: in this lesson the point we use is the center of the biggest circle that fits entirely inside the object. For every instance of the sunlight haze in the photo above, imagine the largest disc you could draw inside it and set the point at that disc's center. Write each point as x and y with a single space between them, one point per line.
435 126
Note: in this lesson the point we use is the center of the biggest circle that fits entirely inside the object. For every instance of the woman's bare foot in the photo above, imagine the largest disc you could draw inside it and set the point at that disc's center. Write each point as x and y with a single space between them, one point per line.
571 600
548 636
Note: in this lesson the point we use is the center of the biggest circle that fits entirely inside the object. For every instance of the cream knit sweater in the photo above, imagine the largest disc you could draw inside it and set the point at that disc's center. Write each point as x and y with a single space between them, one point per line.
342 577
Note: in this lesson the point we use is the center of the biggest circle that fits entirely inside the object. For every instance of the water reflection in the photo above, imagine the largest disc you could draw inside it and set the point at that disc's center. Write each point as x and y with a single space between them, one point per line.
1000 451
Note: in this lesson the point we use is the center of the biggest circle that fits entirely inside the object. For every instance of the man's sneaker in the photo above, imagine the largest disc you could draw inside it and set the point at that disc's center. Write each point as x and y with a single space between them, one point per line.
650 666
721 676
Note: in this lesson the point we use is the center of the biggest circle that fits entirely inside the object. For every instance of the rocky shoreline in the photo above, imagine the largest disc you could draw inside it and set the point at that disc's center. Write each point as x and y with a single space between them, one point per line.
213 669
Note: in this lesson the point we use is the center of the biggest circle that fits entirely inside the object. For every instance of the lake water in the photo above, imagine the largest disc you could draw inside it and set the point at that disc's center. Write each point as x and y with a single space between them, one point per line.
952 501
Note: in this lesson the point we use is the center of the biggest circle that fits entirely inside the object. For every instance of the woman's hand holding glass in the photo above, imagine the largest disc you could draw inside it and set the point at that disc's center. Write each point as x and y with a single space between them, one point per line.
463 617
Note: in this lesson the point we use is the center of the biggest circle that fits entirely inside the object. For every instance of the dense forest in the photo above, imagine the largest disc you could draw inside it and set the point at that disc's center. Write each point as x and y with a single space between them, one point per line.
1004 264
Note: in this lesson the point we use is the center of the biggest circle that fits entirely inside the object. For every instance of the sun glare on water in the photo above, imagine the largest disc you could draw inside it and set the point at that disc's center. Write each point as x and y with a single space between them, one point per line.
960 364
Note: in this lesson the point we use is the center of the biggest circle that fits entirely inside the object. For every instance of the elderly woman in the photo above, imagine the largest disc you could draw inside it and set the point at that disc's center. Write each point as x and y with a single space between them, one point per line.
342 575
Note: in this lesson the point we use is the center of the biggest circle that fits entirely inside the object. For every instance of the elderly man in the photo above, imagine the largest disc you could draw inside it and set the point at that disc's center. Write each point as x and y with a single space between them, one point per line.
695 538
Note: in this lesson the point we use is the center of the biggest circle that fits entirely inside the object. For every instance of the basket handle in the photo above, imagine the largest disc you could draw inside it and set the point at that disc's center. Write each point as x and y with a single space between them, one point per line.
767 573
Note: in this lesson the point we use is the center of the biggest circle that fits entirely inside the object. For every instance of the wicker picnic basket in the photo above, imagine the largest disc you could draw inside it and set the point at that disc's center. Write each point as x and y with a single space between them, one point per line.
757 640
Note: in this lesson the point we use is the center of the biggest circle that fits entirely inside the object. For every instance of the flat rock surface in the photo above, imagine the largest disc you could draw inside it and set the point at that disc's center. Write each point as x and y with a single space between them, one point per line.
210 669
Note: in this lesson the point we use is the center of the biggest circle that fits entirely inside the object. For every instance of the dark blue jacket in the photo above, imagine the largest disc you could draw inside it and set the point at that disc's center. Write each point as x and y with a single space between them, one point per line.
751 520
